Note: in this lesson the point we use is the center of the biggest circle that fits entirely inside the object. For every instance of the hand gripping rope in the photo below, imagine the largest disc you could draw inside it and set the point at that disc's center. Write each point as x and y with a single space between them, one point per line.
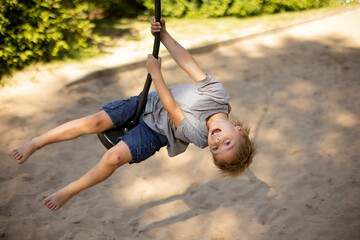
110 137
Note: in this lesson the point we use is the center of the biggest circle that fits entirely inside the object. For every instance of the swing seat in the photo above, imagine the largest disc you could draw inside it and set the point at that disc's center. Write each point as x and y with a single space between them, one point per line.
111 137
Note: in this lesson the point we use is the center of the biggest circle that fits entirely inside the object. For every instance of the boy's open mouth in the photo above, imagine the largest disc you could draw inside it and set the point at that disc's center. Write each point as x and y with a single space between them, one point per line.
215 131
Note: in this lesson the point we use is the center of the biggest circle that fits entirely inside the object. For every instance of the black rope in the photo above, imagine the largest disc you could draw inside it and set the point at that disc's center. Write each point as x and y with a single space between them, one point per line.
110 137
148 81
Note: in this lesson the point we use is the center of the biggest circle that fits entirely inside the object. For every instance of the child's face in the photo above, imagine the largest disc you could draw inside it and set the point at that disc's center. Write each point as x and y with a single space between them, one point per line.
224 140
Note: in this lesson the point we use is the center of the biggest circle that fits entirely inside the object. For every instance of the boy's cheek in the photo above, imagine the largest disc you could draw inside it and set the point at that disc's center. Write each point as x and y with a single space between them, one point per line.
210 144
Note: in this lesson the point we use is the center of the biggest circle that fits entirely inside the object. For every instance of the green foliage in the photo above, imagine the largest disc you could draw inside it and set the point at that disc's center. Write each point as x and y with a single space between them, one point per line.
42 30
214 8
172 8
274 6
220 8
117 8
243 8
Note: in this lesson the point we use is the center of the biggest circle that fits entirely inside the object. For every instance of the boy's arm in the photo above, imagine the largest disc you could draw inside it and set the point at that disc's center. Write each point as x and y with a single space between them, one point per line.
182 57
153 66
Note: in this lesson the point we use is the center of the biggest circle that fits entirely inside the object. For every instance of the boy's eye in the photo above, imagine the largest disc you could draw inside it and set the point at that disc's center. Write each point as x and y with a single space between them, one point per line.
215 148
227 143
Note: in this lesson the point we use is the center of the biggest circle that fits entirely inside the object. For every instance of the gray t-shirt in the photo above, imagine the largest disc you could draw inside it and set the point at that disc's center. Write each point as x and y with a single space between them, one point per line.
198 102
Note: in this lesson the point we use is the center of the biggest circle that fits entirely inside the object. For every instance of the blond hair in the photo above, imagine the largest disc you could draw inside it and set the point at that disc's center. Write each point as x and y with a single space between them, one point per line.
244 156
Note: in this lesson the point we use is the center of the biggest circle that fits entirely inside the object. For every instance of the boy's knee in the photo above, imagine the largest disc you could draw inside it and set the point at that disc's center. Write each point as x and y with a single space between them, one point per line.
96 121
99 123
114 159
117 155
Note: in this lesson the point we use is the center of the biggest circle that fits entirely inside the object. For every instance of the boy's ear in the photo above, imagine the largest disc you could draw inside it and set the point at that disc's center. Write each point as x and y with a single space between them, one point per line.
242 130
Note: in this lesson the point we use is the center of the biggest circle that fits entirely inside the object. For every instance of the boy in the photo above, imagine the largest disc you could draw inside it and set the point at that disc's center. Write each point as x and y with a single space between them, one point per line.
172 117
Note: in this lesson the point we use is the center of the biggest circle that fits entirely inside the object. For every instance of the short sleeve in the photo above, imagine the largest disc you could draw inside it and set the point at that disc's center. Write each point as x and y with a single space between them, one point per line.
188 133
212 87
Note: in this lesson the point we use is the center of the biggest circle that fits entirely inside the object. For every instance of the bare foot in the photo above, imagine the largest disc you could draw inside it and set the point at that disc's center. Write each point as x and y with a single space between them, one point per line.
58 199
23 153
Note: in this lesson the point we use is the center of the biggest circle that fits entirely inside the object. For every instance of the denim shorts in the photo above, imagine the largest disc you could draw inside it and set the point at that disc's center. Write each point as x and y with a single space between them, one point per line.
142 141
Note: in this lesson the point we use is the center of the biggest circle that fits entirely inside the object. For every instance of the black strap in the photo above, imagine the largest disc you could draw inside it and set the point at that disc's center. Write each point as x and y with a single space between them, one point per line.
110 137
148 81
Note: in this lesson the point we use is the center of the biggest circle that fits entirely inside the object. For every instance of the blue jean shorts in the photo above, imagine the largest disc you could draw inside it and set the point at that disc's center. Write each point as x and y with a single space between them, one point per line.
142 141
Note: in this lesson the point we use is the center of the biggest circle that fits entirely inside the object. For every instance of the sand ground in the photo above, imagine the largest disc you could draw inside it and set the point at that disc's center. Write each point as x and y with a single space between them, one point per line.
299 90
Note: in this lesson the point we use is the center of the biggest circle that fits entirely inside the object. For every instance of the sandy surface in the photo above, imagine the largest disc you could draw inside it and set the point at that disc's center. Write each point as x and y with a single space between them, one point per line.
298 88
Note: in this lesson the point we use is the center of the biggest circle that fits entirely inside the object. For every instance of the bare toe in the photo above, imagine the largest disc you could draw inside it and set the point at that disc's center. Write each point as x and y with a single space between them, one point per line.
17 156
57 200
45 201
51 206
23 153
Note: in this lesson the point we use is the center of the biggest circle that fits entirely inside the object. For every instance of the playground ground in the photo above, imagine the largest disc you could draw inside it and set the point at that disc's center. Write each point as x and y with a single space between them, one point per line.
298 87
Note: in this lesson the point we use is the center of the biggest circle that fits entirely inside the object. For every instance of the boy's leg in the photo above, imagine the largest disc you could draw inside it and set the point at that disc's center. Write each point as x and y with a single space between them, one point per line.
112 159
94 123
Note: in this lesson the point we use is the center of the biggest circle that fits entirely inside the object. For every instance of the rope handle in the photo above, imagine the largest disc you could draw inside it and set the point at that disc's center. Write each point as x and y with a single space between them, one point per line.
148 81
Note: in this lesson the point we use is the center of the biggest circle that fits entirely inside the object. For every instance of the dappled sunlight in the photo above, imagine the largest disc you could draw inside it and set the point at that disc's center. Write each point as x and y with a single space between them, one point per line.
300 105
253 51
146 189
208 209
301 88
328 143
140 187
298 90
164 211
272 135
264 167
229 224
347 119
270 41
175 170
299 116
284 123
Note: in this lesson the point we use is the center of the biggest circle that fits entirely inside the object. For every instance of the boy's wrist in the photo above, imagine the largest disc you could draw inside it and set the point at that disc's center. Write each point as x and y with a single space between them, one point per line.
156 75
163 35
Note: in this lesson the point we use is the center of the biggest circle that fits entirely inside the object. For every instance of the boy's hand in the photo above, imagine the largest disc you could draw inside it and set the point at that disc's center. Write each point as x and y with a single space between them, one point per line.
153 65
156 26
